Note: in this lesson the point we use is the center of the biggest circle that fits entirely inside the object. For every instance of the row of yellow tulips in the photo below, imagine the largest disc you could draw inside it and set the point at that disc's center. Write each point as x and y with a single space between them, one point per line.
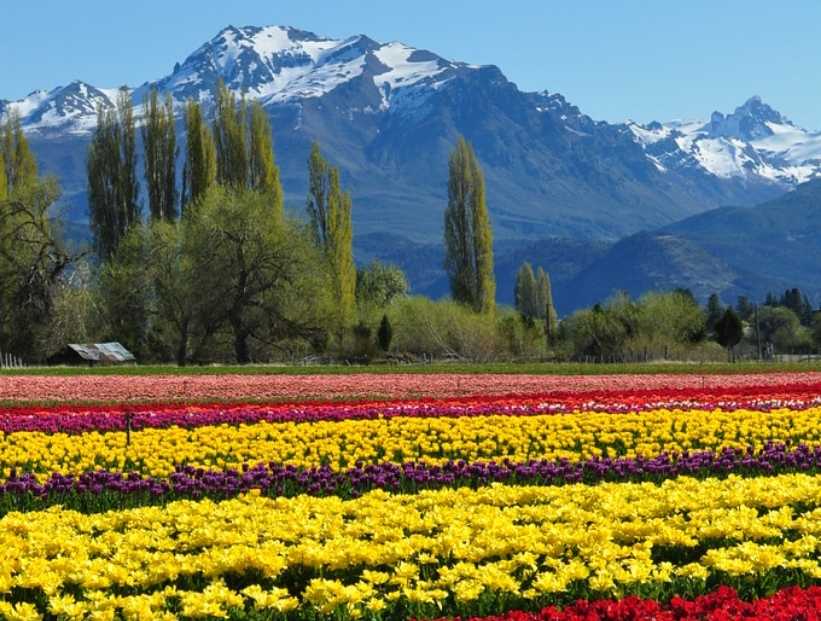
341 444
380 553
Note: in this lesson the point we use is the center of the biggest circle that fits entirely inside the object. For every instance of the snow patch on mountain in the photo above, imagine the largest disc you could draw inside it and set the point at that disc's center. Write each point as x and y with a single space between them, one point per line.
753 143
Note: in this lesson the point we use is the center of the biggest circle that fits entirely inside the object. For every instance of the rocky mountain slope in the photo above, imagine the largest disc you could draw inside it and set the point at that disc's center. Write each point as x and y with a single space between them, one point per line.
388 113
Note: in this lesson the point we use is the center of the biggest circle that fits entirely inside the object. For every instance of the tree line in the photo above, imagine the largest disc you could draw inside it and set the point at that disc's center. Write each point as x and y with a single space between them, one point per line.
212 268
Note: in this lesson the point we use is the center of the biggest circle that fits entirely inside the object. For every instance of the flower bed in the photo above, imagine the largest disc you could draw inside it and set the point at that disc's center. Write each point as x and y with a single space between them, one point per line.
500 498
198 388
457 552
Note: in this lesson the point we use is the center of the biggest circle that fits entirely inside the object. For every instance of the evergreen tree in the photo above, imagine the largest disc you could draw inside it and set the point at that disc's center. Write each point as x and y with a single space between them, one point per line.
160 156
18 163
329 209
744 308
525 292
200 170
229 137
548 309
715 311
468 236
729 330
263 172
112 175
385 334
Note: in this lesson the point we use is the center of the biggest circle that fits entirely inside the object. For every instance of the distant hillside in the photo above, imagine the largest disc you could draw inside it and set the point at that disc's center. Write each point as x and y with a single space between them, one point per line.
731 250
780 239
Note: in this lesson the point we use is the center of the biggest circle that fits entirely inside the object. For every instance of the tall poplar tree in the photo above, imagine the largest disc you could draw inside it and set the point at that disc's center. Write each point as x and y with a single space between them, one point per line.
263 173
468 236
230 139
318 190
4 184
525 292
200 169
547 310
19 165
113 190
329 209
160 157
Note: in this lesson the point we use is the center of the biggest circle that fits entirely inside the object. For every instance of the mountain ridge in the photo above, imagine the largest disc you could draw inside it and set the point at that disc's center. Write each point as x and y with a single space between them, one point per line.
388 114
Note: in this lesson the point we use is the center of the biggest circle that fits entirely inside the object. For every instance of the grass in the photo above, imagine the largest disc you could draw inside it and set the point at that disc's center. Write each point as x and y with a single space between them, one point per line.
509 368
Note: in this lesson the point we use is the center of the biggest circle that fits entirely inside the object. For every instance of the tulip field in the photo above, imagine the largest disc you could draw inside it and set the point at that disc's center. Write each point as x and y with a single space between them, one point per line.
398 497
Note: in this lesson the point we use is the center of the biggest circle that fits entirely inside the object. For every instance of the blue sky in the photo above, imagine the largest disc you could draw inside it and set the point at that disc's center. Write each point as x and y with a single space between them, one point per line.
615 59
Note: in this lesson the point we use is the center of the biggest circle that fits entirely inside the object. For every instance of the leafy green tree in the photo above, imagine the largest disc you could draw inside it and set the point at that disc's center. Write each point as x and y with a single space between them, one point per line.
729 331
160 154
468 235
379 284
33 263
597 334
112 176
329 210
200 170
816 331
674 317
779 327
230 139
263 171
262 280
385 334
176 276
124 291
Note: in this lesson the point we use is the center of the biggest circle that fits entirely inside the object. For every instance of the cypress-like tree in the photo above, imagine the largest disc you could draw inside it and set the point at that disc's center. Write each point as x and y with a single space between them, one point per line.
715 311
263 173
200 170
113 190
468 236
729 331
385 334
329 209
525 292
160 156
229 137
546 306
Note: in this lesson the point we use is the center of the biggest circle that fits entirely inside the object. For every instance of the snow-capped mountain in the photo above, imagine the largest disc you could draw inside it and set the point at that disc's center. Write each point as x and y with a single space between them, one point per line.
70 109
278 64
388 113
275 65
754 143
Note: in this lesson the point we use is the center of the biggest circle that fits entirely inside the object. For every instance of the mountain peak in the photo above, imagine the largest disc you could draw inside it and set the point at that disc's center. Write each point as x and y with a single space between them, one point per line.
750 121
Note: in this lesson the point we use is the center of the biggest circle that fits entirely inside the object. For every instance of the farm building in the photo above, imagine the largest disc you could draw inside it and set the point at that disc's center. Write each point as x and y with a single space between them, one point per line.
92 354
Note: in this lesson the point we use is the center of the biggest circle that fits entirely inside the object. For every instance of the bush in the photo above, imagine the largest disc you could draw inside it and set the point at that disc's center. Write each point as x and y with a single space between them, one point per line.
443 329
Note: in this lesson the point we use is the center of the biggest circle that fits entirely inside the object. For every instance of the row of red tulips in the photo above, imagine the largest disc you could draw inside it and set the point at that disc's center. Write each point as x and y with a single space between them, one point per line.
789 604
75 419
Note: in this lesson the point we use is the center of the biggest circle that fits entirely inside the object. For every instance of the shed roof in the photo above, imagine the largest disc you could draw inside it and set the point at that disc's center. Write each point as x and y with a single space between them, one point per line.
102 352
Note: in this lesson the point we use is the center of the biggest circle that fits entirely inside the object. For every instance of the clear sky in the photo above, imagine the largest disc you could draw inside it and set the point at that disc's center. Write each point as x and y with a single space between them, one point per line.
615 59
